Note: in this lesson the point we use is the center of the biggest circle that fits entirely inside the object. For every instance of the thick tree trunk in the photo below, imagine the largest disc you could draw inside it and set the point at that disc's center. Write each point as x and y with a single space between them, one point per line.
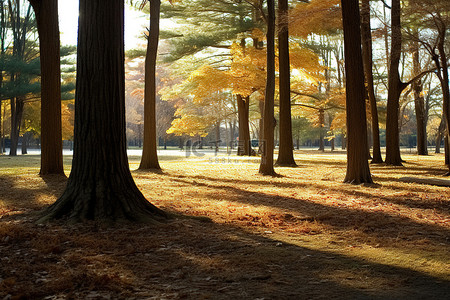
366 36
394 90
149 158
100 185
266 166
357 165
46 12
419 102
286 147
244 146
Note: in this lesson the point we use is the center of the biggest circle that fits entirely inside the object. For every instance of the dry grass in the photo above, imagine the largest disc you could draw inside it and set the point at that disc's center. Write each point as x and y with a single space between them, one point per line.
302 235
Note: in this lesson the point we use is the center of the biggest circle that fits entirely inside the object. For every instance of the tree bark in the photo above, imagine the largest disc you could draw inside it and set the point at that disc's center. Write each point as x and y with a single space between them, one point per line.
244 145
46 12
357 165
394 90
100 185
366 37
286 147
266 166
149 158
419 101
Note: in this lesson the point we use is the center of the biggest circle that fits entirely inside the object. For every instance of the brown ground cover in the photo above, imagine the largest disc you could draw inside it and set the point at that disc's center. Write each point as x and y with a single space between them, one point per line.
303 235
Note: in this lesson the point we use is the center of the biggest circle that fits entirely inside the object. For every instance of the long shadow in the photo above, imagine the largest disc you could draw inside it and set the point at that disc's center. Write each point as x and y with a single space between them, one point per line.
417 203
374 223
188 259
439 206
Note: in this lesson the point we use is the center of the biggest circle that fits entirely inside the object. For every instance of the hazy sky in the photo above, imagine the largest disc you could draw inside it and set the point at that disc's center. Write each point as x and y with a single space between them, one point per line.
135 23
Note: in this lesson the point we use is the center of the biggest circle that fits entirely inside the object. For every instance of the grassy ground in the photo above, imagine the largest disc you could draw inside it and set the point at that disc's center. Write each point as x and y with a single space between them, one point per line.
304 235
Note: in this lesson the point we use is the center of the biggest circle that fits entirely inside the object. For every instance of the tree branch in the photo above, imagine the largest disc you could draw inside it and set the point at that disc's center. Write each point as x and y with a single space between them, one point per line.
404 85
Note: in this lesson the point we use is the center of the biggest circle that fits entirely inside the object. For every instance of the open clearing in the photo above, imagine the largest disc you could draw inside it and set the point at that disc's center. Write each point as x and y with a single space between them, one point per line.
303 235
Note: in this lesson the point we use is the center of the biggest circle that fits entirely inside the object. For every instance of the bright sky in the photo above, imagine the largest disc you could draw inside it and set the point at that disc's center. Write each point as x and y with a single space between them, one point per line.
135 23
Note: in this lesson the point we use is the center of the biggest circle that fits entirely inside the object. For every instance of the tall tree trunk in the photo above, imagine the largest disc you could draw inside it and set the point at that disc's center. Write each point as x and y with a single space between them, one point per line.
366 37
286 148
244 146
100 185
419 101
394 90
2 52
46 12
266 166
444 78
149 158
357 165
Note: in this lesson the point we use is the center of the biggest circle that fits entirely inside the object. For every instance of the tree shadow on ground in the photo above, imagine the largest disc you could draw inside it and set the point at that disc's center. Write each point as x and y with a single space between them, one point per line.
189 259
373 223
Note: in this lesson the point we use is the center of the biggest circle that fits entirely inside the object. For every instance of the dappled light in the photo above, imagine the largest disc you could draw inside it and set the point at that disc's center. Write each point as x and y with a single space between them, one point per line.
256 149
277 237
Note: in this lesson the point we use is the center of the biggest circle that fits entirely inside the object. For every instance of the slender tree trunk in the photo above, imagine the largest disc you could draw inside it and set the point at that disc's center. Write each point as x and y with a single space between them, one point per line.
366 36
357 165
217 142
419 101
2 52
266 166
441 131
321 129
285 150
445 88
17 105
394 90
3 131
231 143
100 185
261 126
244 147
25 140
149 158
46 12
1 122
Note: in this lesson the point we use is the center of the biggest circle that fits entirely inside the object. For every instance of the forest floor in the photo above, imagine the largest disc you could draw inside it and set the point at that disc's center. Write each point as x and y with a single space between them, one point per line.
303 235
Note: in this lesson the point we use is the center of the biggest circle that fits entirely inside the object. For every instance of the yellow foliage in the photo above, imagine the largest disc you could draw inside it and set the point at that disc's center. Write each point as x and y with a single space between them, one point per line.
67 118
191 125
317 16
